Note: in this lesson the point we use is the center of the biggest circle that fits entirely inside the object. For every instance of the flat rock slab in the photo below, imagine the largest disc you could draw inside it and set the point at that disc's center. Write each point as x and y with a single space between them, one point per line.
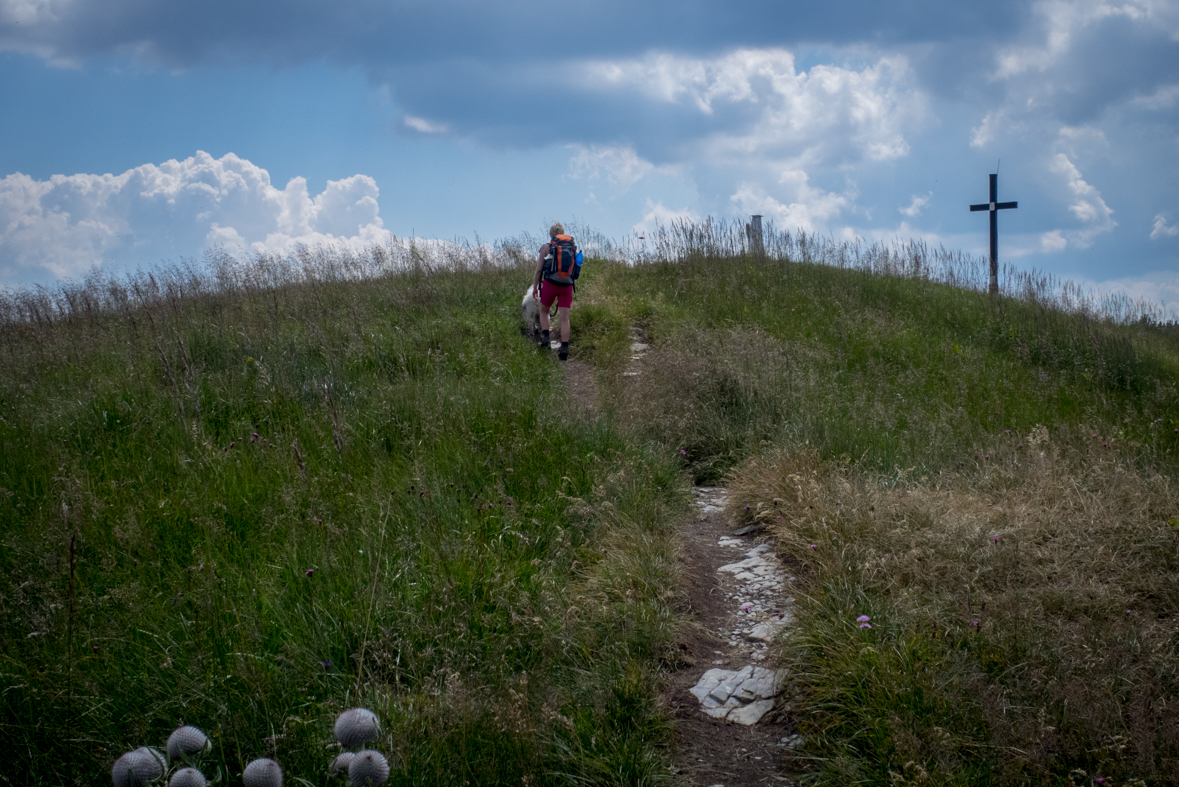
743 696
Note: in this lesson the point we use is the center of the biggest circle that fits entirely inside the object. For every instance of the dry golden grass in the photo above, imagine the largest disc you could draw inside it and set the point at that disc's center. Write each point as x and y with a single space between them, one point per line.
1023 614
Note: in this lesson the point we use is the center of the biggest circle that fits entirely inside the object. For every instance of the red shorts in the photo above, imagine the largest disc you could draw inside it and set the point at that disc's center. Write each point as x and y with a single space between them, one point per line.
550 292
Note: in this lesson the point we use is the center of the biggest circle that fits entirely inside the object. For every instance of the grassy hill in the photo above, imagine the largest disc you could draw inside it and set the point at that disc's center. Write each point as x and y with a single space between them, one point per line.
248 495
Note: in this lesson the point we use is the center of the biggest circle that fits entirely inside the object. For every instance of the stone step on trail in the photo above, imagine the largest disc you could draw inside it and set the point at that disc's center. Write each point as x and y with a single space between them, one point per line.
756 587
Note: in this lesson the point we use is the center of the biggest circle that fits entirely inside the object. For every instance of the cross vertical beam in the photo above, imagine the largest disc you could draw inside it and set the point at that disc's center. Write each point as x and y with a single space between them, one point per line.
993 207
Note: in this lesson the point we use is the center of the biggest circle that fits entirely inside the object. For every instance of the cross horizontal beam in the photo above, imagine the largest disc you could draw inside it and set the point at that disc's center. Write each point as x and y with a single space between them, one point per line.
993 206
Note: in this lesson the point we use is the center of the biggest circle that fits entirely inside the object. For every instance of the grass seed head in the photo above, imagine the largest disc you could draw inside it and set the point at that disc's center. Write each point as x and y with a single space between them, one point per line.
262 772
368 769
187 777
187 741
357 726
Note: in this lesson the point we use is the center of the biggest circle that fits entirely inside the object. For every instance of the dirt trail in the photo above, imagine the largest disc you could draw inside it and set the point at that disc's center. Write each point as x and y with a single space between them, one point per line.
737 597
713 751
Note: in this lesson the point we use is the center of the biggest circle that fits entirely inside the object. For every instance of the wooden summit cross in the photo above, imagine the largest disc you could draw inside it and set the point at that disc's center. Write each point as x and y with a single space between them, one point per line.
993 206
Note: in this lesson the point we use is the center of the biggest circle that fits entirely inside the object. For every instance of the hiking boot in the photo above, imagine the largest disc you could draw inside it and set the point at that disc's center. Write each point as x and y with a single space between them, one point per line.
563 353
543 341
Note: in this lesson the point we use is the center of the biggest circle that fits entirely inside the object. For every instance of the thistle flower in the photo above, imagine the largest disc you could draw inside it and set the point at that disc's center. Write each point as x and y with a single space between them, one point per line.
341 763
187 742
141 766
262 772
187 777
356 726
368 769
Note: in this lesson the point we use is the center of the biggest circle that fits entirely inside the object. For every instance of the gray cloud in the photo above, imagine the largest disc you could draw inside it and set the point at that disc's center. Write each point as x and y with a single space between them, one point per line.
376 34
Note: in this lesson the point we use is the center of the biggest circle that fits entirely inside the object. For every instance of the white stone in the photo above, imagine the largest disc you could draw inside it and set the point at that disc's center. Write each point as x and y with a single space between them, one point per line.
743 696
766 632
750 714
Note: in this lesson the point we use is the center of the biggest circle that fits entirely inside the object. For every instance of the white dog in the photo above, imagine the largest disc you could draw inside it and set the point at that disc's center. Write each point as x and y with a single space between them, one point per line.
530 309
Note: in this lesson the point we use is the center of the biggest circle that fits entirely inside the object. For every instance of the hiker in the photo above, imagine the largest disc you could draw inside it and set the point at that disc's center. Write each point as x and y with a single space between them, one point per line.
558 265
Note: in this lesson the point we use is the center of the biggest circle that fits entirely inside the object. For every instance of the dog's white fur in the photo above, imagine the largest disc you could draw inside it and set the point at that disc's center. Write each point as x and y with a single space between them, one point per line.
530 310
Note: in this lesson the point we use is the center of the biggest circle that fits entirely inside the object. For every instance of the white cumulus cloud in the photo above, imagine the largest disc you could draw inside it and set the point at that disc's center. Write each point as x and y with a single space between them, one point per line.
424 126
622 166
1162 229
1086 205
68 223
764 106
916 205
659 216
810 209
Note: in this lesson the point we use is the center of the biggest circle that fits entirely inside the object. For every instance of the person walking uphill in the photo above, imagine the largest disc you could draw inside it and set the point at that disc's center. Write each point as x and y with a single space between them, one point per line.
557 266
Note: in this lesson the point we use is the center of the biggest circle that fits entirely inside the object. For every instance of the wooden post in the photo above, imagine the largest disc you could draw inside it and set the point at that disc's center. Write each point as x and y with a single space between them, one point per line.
756 245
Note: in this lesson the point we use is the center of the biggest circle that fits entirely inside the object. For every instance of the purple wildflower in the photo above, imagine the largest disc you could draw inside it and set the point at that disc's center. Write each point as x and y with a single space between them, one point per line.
975 624
865 625
308 572
863 619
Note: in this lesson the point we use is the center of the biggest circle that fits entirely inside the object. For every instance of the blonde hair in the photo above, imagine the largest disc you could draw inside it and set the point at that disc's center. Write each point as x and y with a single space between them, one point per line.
556 229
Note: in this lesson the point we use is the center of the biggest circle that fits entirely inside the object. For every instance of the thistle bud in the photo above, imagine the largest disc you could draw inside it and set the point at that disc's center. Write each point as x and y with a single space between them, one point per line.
187 777
187 742
141 766
357 726
340 764
262 772
368 769
121 773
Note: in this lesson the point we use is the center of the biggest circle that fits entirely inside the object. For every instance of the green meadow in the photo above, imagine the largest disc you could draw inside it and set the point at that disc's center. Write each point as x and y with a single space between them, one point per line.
248 494
245 499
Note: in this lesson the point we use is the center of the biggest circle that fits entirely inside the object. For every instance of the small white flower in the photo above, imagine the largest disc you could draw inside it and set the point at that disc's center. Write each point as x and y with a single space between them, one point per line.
356 726
368 769
262 772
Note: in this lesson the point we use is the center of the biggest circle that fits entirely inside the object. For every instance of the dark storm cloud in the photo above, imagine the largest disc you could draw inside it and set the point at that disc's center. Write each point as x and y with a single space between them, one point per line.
381 34
1110 62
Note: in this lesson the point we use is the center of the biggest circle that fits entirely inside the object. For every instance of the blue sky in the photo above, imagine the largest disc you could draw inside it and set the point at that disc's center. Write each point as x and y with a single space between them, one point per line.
138 131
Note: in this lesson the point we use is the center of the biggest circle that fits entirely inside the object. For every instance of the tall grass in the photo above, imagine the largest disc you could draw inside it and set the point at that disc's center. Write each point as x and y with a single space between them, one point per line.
991 481
889 372
249 493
